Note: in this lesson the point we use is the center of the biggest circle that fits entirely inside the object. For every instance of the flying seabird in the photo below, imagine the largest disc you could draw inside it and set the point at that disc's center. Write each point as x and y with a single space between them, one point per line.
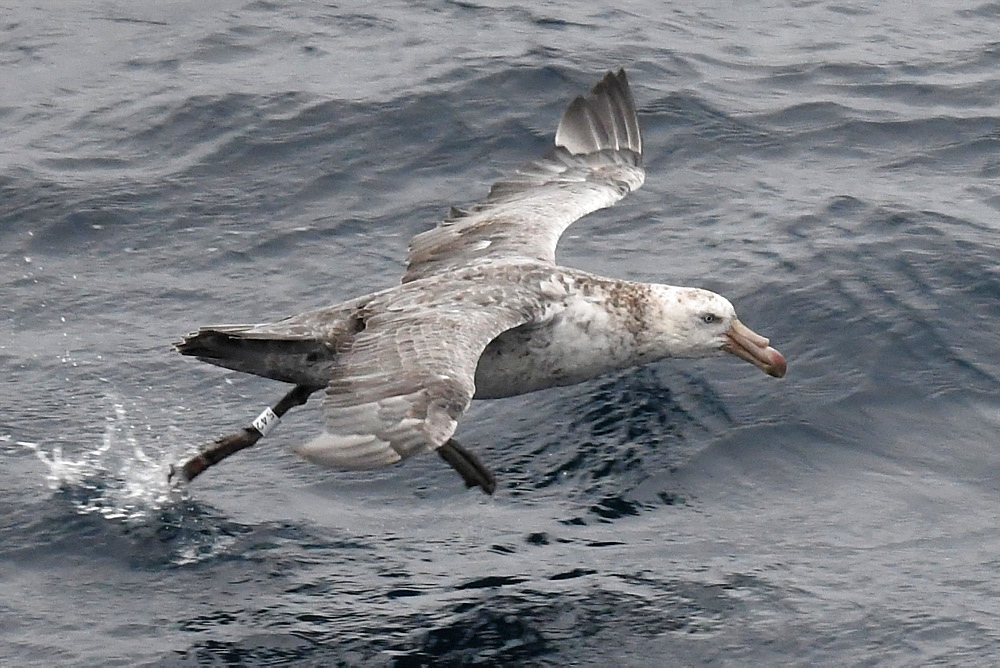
482 312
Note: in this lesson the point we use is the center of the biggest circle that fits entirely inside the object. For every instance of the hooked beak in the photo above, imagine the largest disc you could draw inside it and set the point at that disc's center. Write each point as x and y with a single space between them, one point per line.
754 348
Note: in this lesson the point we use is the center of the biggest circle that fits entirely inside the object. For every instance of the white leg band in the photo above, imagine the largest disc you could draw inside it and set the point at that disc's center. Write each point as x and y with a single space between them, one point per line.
266 422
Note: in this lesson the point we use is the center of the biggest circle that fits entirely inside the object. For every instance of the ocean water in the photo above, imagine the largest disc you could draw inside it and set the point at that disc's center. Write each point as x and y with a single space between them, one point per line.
831 166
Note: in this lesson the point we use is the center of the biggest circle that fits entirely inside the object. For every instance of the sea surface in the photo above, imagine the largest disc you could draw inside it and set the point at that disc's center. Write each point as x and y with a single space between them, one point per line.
831 166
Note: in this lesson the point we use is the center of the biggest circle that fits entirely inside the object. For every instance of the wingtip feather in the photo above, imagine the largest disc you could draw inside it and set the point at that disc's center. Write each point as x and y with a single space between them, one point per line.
605 119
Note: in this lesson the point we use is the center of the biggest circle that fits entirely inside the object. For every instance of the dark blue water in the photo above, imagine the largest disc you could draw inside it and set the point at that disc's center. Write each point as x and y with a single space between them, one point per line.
831 167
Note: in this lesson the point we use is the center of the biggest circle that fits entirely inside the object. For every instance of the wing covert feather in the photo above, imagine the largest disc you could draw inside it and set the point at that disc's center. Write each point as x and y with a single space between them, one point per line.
400 385
596 161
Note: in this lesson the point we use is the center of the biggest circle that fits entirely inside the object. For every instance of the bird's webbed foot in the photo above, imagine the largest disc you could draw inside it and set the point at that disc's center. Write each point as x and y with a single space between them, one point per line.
468 465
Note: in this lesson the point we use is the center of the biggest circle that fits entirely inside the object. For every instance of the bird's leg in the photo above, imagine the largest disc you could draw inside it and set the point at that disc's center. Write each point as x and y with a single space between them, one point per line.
224 446
473 471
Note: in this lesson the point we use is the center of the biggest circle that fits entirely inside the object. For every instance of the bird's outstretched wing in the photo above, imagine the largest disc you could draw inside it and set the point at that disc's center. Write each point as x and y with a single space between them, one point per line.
400 384
597 160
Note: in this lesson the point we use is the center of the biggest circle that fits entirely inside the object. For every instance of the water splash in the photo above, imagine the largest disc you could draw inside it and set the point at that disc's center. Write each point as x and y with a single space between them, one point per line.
118 479
123 480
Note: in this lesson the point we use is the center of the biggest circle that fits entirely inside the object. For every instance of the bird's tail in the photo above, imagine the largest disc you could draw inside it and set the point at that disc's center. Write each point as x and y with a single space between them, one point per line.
298 360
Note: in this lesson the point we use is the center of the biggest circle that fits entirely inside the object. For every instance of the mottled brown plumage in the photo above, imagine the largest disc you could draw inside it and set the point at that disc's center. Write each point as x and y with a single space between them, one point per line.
484 312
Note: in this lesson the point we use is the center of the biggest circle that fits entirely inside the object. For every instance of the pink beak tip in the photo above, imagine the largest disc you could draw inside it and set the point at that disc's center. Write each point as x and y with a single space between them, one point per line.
776 363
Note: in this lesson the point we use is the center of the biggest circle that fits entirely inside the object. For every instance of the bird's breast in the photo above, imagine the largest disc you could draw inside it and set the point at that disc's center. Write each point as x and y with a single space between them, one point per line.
583 341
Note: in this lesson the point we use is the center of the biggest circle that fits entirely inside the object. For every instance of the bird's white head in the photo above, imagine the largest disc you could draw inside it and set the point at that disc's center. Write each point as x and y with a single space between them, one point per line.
700 323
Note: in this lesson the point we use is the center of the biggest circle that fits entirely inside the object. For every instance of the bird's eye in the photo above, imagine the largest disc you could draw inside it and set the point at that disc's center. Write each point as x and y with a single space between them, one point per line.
709 318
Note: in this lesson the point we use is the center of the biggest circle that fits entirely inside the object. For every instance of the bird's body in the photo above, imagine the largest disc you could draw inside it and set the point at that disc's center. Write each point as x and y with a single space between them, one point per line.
484 312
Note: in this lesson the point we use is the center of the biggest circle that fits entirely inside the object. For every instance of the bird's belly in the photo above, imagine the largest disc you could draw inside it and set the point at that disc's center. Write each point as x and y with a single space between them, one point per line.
530 358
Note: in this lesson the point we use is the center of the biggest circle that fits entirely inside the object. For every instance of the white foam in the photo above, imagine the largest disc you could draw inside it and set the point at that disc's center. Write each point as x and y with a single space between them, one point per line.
118 478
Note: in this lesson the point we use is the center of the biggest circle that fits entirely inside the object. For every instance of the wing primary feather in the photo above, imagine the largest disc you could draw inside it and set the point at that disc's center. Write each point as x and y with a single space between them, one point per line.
606 119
